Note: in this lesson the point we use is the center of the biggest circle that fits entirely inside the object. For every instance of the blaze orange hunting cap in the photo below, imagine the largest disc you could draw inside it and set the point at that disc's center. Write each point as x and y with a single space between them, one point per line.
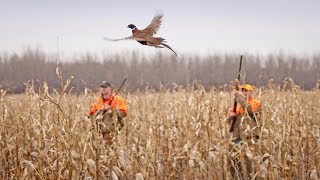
246 87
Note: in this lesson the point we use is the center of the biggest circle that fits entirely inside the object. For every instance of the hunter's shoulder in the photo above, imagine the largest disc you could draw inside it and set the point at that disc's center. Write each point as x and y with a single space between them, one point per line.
256 101
99 99
119 98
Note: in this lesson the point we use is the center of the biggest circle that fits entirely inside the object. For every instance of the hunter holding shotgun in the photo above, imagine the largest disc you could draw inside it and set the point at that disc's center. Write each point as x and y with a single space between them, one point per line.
243 125
105 108
244 112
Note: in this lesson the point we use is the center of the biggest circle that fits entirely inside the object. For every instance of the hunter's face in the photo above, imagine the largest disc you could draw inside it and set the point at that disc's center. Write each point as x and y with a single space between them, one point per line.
105 90
246 93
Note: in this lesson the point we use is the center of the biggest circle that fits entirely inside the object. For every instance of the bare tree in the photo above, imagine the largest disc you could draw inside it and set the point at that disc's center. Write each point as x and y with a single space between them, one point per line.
141 70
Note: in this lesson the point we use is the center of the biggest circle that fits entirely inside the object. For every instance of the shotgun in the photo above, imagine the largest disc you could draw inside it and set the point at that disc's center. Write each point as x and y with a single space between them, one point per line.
121 86
235 101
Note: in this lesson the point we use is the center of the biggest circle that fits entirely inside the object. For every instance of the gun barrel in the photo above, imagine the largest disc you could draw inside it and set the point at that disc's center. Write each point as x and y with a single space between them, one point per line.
235 102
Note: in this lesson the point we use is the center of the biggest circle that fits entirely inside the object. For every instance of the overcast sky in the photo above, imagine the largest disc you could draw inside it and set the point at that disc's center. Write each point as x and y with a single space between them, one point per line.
201 26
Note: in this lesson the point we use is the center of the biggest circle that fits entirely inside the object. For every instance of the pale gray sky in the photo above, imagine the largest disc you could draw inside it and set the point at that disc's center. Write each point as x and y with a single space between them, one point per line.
195 27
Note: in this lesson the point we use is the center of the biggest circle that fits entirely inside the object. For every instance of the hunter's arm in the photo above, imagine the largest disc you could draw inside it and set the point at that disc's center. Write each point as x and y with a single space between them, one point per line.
244 103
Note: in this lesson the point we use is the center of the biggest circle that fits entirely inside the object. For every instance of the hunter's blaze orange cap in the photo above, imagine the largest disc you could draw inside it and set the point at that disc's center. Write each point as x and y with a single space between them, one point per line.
247 87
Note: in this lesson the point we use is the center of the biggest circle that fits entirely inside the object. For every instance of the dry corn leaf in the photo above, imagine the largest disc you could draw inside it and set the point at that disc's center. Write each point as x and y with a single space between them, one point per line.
139 176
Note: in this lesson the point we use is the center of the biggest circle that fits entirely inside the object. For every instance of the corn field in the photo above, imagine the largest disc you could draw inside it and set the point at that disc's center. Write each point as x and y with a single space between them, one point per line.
178 133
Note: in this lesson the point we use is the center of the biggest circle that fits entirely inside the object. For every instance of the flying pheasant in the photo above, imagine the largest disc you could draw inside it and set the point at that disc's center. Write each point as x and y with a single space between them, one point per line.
146 36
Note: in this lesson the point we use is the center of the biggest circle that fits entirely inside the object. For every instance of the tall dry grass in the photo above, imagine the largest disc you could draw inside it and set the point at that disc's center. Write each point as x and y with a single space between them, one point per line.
179 133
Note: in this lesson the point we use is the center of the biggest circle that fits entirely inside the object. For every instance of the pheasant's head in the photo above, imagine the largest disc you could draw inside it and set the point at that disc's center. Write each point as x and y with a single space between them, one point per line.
131 26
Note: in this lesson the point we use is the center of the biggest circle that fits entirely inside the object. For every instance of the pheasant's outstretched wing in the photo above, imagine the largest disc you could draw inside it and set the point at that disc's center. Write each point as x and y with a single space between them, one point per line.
167 46
154 26
120 39
126 38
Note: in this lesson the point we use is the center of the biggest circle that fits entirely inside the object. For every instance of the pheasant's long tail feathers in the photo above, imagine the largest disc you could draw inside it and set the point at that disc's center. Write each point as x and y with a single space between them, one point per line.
167 46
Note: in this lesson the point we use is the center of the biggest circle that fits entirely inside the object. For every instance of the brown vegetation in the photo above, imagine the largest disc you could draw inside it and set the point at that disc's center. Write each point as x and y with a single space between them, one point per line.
212 70
177 133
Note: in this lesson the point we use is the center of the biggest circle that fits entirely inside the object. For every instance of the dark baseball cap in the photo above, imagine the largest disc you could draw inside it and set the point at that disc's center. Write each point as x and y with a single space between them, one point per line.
105 84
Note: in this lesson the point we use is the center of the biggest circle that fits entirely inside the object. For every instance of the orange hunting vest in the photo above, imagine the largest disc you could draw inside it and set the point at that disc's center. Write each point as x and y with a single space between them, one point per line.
255 105
115 102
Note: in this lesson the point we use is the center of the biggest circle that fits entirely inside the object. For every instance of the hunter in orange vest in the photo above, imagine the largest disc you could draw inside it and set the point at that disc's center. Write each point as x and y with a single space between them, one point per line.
105 108
248 107
108 101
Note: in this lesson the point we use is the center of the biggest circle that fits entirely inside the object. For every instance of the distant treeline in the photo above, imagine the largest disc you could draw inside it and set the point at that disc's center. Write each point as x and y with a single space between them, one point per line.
143 70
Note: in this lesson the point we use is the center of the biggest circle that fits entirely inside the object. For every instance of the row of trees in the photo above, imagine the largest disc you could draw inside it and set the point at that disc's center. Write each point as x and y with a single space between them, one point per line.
142 70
